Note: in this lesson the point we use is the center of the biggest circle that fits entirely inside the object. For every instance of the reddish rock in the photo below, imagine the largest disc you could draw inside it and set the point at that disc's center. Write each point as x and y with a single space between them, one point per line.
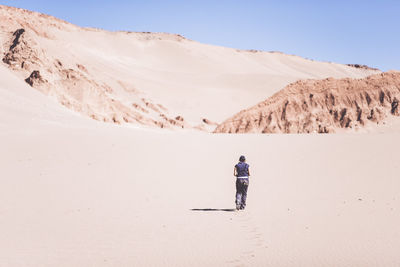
322 106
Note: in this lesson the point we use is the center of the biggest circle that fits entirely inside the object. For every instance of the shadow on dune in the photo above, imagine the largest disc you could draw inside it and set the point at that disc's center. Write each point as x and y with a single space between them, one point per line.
226 210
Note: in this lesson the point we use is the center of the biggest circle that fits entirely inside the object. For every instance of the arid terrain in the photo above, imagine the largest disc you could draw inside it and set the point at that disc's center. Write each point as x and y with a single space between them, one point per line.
322 106
139 190
153 79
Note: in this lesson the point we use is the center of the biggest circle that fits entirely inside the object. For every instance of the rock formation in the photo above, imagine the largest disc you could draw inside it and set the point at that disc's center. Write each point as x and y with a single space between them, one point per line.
321 106
35 79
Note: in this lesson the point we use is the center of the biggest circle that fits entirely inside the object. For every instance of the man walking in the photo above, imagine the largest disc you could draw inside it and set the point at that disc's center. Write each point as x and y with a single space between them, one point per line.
242 173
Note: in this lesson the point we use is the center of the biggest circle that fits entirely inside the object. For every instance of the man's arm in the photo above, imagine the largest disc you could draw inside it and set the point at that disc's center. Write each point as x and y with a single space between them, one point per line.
234 171
248 170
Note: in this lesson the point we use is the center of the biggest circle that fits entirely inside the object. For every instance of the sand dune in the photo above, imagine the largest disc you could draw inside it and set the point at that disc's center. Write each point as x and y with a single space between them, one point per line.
147 78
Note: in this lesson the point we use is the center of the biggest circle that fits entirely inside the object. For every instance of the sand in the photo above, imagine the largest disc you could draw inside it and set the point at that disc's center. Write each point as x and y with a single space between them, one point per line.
124 197
76 192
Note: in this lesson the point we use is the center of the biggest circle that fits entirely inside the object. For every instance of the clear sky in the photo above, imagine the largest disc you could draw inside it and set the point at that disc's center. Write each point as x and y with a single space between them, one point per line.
352 31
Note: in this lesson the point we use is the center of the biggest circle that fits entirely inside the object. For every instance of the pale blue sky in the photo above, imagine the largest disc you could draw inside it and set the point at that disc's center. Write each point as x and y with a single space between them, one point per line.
352 31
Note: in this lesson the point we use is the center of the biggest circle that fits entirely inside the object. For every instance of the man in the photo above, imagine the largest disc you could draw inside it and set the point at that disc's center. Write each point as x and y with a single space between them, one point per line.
242 173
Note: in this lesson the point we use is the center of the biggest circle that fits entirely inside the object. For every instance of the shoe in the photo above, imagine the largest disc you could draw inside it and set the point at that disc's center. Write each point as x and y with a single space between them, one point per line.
238 207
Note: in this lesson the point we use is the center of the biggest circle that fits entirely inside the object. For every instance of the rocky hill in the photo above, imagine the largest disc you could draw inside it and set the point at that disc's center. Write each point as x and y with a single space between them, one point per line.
154 79
321 106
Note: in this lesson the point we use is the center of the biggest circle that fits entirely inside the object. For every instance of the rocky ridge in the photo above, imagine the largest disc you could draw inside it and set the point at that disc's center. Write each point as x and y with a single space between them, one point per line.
321 106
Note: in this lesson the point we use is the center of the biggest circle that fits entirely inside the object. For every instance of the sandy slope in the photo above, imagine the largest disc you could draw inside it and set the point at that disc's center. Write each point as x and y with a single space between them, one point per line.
75 192
113 76
24 109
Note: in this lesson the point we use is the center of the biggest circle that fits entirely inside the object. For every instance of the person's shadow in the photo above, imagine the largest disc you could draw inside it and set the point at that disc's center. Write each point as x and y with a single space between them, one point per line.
208 209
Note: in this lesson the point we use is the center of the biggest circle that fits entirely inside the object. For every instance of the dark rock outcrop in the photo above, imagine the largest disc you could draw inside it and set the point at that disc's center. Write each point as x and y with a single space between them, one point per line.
35 78
359 66
22 52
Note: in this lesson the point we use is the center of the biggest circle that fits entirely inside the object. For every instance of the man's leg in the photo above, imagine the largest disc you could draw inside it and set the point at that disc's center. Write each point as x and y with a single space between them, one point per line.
244 195
238 194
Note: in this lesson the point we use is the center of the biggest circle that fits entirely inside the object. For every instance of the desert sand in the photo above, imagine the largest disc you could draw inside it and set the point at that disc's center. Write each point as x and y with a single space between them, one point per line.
76 192
79 192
